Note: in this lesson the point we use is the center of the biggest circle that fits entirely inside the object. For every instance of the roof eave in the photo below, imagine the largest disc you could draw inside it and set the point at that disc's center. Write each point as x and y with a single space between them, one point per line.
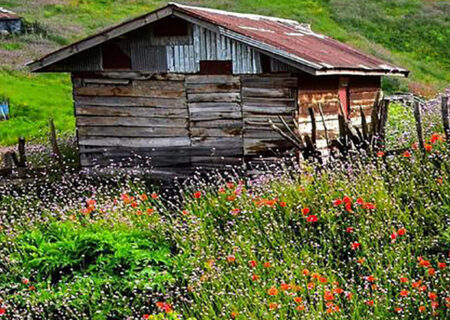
403 73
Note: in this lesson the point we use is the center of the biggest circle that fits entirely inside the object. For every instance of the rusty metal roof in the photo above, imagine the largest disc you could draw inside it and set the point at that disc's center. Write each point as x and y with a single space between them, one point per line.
7 14
293 42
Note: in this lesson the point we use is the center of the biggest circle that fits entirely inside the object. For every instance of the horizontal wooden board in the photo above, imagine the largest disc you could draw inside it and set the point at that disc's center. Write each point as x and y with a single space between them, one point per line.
269 81
214 97
133 142
217 124
131 102
261 133
267 92
202 116
130 112
214 107
132 131
253 146
215 132
138 89
211 79
133 75
130 121
213 87
223 142
250 109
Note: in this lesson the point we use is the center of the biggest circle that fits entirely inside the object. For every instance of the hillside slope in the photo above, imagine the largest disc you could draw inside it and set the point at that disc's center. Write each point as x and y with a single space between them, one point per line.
411 33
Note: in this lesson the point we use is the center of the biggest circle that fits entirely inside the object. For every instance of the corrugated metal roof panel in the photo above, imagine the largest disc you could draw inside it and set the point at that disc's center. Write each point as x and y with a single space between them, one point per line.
292 37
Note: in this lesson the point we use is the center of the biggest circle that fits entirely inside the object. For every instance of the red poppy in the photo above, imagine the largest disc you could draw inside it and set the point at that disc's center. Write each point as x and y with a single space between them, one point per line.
432 296
312 218
144 197
323 280
380 154
255 277
398 309
2 311
328 296
285 286
394 235
347 199
406 154
150 210
355 245
431 271
428 147
348 207
370 278
360 201
422 308
337 202
305 272
338 290
25 281
404 293
252 263
221 190
370 303
300 308
273 306
349 229
415 146
401 232
154 195
369 206
146 316
442 265
235 211
403 279
234 314
266 265
197 195
435 137
231 258
283 204
434 304
306 211
298 300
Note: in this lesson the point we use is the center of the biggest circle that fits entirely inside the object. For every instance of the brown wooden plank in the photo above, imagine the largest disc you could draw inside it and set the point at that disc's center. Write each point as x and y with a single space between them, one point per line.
130 75
213 87
214 107
132 131
133 142
267 92
249 110
222 123
215 132
130 121
210 116
214 97
130 112
223 142
130 102
211 79
136 90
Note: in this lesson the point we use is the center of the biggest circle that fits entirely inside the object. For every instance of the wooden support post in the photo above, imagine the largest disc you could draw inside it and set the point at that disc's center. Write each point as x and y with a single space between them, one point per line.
7 160
327 139
383 121
418 116
445 118
55 149
22 158
313 126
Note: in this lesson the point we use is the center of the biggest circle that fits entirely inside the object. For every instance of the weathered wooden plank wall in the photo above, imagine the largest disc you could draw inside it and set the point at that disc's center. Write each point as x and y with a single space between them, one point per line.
266 97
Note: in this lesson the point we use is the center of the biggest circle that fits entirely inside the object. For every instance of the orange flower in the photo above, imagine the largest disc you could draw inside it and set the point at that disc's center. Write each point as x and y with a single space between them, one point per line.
403 280
255 277
404 293
231 258
231 198
328 296
380 154
349 296
310 285
272 291
436 137
432 296
428 147
323 280
144 197
338 290
150 210
184 212
285 287
305 272
197 195
370 303
401 232
422 308
154 195
370 278
252 263
298 300
25 281
283 204
416 284
134 204
306 211
442 265
300 308
361 260
273 306
235 211
234 314
266 264
398 309
369 206
431 271
406 154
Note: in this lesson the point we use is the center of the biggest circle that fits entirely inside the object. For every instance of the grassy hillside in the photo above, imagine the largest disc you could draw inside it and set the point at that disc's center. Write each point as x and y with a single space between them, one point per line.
412 33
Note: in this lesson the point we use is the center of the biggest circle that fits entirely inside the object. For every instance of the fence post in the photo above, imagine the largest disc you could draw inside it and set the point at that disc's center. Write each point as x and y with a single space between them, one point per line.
22 157
54 142
418 116
445 119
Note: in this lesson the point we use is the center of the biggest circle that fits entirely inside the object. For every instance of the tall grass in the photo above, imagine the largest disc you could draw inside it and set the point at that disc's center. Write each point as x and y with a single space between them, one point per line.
362 240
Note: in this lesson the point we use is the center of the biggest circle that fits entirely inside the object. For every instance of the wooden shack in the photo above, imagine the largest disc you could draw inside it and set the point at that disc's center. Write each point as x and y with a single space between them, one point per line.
9 22
186 86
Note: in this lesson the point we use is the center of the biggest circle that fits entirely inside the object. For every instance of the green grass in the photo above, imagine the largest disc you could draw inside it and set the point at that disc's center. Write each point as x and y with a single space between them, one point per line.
347 242
413 34
34 100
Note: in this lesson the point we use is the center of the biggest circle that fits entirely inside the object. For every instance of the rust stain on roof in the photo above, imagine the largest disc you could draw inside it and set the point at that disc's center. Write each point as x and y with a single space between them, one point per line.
292 37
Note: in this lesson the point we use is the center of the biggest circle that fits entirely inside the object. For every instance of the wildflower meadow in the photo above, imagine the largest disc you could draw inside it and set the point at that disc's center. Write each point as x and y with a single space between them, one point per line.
361 239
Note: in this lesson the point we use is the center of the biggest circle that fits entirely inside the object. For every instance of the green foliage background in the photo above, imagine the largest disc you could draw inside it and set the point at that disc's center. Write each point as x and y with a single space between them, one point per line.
411 33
